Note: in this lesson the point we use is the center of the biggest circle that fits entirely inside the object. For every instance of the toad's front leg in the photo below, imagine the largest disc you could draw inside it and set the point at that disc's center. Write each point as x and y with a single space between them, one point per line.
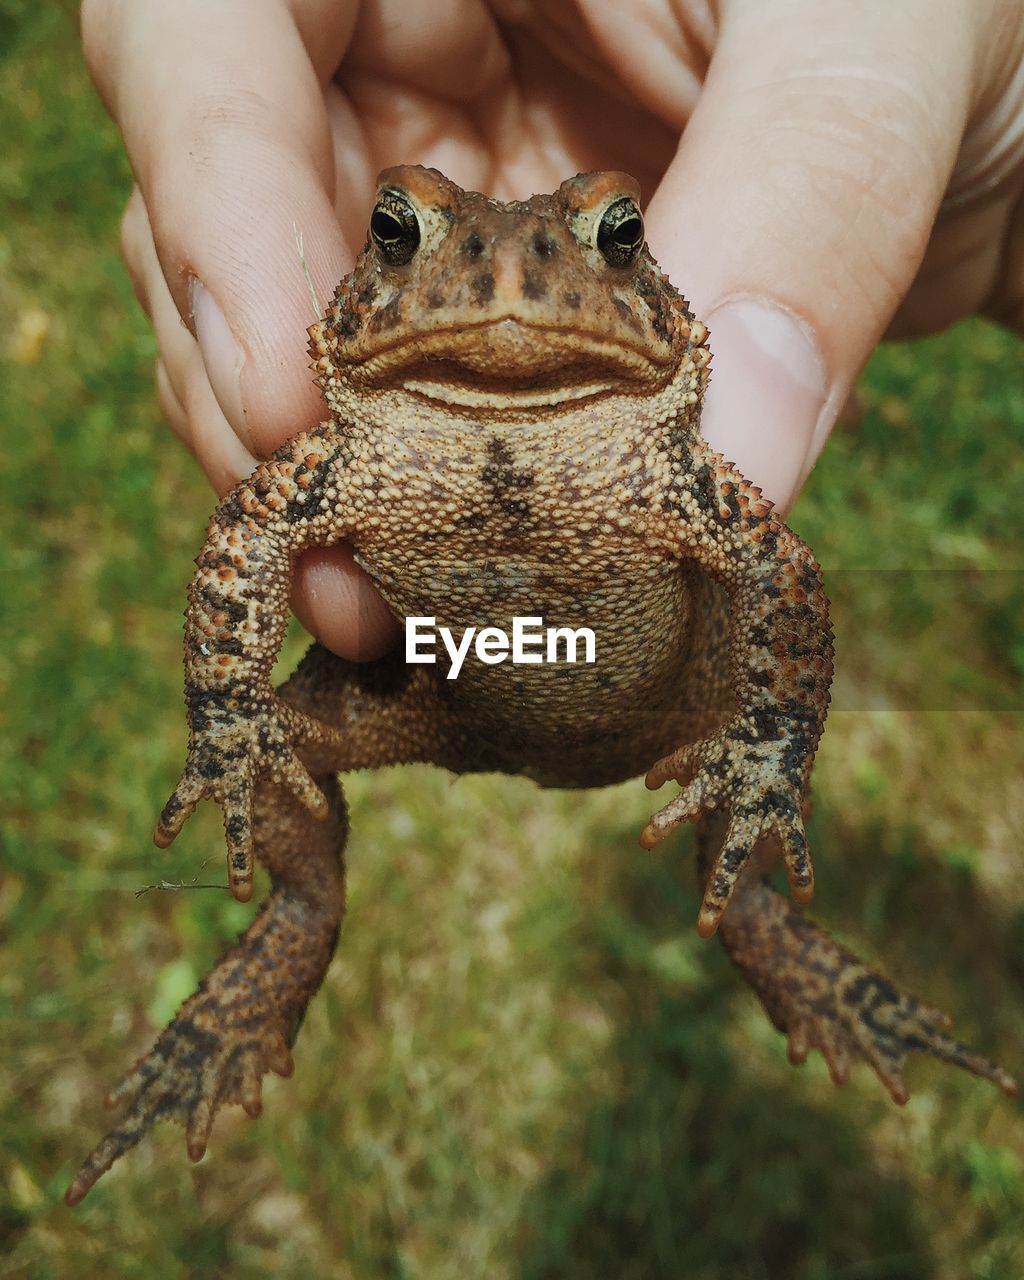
775 677
239 730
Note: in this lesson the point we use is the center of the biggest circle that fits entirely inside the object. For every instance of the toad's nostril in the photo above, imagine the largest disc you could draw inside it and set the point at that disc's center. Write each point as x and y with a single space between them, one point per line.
472 246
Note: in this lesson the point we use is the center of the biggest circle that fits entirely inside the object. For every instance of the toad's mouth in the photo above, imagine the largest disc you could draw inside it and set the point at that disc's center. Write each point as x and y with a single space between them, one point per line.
509 365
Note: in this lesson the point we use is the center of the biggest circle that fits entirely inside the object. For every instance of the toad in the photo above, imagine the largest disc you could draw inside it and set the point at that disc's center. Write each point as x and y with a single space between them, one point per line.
514 393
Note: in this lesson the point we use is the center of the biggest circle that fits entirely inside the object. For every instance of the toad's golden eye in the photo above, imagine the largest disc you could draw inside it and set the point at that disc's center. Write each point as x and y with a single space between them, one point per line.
620 233
394 228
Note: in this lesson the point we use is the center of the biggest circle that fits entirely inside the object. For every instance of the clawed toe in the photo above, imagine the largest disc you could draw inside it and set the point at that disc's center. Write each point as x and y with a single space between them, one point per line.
823 997
179 808
887 1025
166 1084
296 777
875 1022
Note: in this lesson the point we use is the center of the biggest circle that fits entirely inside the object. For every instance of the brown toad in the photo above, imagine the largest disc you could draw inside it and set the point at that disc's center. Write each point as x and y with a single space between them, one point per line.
515 392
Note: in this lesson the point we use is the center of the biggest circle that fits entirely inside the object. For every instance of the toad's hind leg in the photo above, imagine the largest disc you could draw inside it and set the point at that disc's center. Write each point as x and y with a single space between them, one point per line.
820 994
243 1019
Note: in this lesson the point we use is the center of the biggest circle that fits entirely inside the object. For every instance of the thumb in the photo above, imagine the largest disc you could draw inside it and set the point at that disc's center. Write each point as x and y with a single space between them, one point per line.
799 205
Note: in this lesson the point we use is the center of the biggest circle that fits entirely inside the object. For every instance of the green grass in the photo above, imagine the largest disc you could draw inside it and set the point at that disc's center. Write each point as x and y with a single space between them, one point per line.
524 1063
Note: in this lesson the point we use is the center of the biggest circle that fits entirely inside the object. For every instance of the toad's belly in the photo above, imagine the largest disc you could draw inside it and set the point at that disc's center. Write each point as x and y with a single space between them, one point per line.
566 720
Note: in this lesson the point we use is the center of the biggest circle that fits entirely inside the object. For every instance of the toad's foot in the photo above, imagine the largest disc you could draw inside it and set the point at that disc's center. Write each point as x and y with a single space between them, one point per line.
166 1084
756 782
228 752
239 1025
823 997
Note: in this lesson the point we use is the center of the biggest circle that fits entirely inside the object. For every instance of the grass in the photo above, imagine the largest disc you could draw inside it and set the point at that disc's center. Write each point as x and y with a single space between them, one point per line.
524 1063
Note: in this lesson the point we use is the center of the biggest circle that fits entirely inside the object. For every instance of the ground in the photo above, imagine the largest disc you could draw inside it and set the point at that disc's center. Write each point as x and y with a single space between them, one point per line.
524 1062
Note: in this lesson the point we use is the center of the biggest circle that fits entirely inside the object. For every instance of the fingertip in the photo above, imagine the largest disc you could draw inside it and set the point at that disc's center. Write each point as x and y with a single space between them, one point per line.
766 394
216 442
222 356
338 603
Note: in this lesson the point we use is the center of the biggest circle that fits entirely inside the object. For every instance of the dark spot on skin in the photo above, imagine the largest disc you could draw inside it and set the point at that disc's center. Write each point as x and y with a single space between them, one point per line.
235 826
204 706
237 610
534 286
472 246
780 803
471 520
571 299
660 312
482 288
716 768
435 299
732 502
201 1044
388 316
625 312
768 545
704 488
229 513
505 482
543 246
347 324
311 496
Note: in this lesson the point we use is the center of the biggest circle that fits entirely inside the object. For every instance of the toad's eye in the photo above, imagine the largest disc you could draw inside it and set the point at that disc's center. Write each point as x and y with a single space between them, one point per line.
394 228
620 233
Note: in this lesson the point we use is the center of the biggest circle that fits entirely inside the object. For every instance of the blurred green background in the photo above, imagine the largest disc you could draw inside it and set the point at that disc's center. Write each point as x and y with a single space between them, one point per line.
524 1063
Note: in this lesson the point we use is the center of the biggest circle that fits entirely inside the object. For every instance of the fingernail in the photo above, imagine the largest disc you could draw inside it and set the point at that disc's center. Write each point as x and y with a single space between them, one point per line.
767 391
223 358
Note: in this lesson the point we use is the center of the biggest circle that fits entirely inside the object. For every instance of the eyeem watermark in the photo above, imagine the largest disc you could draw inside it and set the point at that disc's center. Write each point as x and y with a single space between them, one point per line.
530 642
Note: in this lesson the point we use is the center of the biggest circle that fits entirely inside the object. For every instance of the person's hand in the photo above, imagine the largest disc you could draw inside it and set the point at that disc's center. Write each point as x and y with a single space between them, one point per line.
846 170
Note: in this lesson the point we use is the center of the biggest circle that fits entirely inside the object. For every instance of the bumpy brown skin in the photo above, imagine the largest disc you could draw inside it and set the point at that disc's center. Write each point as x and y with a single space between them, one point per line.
513 432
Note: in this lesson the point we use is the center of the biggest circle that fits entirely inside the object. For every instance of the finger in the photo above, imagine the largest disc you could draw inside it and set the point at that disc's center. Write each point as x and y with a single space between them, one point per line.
175 344
183 386
800 202
224 123
226 129
334 598
336 602
170 406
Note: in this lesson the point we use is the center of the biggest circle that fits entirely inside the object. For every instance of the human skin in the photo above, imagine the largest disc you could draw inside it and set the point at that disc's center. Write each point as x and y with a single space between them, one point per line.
847 171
